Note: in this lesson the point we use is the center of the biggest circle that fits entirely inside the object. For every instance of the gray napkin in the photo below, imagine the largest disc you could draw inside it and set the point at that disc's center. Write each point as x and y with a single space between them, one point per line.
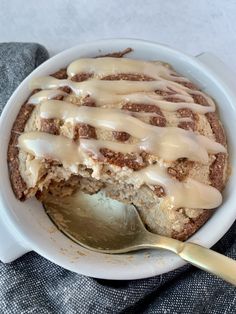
17 60
34 285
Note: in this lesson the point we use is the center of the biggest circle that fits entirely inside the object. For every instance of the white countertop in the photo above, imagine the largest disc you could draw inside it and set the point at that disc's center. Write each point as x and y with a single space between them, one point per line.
192 26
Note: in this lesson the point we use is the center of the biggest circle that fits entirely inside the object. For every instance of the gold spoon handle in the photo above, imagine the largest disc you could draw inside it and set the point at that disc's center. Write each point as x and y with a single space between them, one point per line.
197 255
210 261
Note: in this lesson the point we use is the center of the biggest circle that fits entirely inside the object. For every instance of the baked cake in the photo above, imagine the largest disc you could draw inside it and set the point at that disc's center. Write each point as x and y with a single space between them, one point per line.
135 129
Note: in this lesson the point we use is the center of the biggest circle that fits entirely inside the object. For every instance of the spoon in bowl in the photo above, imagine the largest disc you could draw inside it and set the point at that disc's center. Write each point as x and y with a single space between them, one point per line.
108 226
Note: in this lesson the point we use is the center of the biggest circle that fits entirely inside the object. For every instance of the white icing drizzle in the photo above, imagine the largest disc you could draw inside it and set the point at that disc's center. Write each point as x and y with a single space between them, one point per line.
45 95
154 114
52 147
110 92
105 66
153 99
33 167
190 193
169 143
94 87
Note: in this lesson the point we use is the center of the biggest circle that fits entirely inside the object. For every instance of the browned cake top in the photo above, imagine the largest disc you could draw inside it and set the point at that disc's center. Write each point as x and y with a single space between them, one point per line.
137 121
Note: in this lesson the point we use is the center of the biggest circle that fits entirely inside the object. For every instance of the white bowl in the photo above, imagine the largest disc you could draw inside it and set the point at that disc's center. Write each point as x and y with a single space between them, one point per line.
25 227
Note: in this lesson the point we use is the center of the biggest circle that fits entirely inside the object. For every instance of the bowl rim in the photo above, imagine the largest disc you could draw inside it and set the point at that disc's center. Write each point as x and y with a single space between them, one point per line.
12 220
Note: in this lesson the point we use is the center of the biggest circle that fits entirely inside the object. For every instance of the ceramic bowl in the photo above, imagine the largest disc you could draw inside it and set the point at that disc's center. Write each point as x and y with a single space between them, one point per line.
25 227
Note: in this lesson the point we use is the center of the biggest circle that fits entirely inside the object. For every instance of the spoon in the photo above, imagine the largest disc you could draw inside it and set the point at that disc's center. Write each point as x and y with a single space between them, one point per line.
108 226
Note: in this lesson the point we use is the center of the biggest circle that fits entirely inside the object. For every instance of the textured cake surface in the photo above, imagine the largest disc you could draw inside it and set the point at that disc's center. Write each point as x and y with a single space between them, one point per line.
112 158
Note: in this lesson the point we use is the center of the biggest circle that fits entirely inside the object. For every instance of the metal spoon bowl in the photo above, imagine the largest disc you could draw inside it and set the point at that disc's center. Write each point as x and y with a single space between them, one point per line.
108 226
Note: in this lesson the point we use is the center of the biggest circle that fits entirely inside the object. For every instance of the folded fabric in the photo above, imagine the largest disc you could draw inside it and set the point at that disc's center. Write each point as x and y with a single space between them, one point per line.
34 285
17 60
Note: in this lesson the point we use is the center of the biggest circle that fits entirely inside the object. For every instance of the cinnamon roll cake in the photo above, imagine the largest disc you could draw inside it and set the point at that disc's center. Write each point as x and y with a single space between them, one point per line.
135 129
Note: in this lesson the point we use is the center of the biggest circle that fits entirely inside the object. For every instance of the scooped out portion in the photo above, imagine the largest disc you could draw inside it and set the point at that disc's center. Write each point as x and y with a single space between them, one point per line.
136 130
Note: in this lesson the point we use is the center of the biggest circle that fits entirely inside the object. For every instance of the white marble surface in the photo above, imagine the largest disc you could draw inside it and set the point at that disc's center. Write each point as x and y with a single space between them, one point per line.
190 25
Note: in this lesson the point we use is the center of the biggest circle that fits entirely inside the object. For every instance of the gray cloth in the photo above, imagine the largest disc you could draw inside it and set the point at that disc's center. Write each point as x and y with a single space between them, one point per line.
34 285
16 62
